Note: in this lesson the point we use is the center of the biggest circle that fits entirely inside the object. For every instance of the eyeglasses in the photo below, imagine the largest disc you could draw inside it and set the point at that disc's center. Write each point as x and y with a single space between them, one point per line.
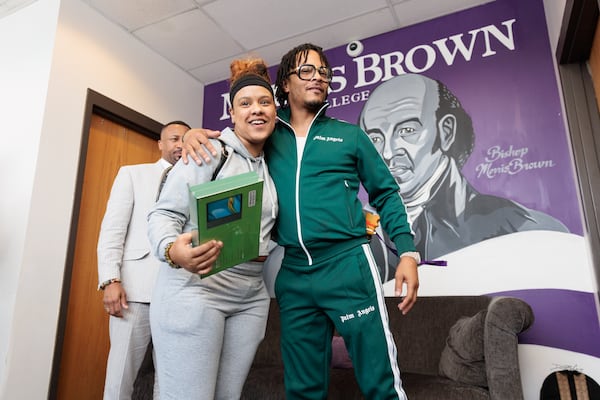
307 71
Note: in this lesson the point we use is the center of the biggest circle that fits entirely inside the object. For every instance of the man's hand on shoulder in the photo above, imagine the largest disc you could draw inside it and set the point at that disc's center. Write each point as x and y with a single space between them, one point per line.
196 145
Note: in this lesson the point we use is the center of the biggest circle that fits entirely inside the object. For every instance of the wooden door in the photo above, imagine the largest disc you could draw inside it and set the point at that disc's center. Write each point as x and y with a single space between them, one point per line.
86 343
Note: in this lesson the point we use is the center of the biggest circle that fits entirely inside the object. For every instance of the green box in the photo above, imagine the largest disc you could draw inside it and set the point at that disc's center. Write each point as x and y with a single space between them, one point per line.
228 210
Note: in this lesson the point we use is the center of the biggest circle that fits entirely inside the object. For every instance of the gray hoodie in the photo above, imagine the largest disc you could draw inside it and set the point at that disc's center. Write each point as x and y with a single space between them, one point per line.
170 216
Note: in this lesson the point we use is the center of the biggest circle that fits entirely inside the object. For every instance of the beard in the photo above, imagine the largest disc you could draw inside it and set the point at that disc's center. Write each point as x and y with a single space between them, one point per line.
313 105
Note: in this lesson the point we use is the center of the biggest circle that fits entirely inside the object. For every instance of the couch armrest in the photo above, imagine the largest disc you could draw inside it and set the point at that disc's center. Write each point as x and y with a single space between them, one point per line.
421 334
506 318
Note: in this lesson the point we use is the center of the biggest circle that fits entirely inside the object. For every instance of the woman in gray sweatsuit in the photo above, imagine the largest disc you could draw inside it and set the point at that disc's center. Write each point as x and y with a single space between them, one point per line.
206 330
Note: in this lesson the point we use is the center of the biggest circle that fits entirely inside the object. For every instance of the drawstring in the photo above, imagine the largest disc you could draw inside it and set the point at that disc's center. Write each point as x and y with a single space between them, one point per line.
268 189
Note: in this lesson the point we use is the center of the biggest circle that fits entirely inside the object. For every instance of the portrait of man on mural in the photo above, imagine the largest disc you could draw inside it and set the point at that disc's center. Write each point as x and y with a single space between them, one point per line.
425 137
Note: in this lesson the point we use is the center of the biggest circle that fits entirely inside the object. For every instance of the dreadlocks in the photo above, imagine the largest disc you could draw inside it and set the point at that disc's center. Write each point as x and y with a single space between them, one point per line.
290 61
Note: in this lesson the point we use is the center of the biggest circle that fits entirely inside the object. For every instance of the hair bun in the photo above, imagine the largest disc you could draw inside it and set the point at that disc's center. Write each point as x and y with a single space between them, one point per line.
249 66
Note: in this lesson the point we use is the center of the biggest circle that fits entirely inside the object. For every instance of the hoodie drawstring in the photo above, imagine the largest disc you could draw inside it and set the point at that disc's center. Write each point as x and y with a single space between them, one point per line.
268 188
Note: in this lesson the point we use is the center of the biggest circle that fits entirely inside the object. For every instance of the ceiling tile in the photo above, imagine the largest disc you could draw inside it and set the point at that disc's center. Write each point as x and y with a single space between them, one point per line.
203 36
189 40
282 19
415 11
214 72
10 6
134 14
329 37
335 35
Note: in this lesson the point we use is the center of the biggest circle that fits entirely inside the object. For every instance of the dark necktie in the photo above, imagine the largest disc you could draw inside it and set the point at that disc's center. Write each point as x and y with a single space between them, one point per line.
163 180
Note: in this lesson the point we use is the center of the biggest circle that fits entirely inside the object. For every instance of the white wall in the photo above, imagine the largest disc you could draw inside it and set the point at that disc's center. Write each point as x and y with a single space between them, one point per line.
554 14
24 72
89 52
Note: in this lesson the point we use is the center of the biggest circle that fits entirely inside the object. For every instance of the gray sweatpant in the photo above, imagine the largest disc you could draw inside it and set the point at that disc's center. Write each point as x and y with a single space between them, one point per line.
206 331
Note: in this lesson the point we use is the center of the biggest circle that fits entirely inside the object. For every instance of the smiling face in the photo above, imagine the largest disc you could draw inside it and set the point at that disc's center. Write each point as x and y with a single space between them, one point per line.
253 114
400 118
308 94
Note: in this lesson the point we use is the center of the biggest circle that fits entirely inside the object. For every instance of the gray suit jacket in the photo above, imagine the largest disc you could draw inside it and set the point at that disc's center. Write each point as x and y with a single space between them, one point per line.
123 247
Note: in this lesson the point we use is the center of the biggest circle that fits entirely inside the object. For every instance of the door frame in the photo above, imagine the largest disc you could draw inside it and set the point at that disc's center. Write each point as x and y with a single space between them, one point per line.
103 106
579 24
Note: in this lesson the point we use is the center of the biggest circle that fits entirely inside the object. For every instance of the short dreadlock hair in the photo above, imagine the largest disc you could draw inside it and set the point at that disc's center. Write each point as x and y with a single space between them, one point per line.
290 61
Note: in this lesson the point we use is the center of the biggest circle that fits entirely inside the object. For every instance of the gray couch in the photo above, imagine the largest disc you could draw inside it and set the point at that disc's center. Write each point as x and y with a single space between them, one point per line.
458 347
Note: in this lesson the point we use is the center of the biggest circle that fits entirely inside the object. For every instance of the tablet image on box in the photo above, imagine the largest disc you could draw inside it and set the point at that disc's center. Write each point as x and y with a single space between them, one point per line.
228 210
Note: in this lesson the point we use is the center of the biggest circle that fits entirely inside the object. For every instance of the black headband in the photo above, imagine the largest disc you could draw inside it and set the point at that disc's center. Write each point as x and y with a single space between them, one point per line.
248 80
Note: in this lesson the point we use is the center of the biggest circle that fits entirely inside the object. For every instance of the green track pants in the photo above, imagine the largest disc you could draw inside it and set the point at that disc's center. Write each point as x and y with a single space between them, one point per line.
343 293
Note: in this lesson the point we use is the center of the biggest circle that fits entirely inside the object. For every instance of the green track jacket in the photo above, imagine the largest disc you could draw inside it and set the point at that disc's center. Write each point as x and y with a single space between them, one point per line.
320 214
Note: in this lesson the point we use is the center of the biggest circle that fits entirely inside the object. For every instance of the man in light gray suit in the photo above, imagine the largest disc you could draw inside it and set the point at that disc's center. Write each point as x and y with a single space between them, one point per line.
126 268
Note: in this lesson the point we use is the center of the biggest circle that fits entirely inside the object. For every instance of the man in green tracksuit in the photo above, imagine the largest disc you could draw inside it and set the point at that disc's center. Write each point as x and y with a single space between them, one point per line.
328 278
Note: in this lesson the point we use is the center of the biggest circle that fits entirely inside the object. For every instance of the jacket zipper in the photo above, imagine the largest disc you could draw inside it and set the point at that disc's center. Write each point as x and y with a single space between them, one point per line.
297 184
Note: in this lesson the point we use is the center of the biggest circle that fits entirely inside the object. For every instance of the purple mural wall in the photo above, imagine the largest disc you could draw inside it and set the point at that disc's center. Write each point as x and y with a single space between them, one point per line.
524 236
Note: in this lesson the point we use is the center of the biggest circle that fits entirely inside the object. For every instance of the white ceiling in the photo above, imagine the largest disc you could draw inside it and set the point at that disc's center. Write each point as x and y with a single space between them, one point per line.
10 6
203 36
